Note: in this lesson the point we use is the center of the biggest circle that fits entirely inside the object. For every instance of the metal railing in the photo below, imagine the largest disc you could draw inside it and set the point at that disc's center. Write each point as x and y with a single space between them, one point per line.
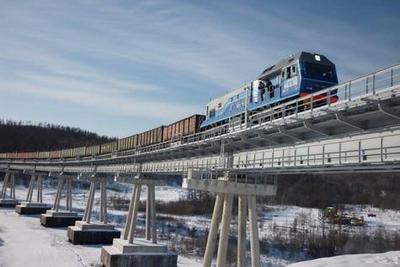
371 151
229 175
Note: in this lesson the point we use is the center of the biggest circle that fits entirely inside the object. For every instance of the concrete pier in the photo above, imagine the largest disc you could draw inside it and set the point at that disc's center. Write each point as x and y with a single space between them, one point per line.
130 251
92 233
85 232
28 207
8 203
55 217
141 252
8 183
228 185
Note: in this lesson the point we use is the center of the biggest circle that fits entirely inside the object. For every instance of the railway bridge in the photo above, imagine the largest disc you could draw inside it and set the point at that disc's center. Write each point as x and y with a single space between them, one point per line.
360 132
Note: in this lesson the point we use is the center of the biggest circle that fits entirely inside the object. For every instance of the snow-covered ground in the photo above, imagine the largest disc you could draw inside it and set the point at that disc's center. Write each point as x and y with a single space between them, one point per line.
28 232
24 242
388 259
310 219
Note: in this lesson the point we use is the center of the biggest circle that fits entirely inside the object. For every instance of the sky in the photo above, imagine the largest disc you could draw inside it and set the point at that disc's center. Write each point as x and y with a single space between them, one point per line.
121 67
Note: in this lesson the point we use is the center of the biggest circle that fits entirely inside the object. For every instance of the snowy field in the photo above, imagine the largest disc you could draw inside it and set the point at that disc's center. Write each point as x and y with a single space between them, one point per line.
388 259
24 242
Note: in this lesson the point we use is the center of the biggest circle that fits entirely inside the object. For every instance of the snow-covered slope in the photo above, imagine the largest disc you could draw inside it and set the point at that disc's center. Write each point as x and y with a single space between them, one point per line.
388 259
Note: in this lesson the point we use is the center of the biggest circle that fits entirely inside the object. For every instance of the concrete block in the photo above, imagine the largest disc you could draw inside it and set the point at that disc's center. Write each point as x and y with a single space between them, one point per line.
83 233
139 245
141 253
31 208
94 226
59 219
8 203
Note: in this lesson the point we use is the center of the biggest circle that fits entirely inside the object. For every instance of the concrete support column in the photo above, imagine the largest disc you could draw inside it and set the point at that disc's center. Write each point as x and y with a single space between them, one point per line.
130 213
226 185
89 205
242 220
148 213
9 182
134 213
56 206
69 194
153 214
31 186
212 234
225 223
58 193
254 239
4 188
103 201
39 184
13 186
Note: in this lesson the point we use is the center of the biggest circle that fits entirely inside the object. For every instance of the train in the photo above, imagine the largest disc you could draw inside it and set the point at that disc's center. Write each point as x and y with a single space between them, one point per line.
294 77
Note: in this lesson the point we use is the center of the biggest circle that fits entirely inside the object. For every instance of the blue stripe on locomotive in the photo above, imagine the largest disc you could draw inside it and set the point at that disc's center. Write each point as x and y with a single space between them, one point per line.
285 90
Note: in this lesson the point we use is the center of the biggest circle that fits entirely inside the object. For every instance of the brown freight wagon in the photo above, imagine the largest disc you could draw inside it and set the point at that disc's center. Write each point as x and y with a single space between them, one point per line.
44 154
79 151
109 147
32 155
92 150
55 154
187 126
68 153
149 137
127 143
122 143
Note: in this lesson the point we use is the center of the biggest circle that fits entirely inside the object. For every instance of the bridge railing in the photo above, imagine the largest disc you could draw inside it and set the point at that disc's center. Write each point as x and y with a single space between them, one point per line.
369 151
376 150
231 175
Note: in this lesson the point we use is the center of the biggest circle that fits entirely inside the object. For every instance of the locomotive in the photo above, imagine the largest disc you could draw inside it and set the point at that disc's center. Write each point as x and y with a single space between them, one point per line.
294 77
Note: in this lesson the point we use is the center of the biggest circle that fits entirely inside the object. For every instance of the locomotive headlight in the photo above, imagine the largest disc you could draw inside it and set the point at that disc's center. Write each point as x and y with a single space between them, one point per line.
317 58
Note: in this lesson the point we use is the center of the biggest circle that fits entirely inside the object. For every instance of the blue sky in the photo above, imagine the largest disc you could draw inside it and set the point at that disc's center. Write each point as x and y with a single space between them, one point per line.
120 67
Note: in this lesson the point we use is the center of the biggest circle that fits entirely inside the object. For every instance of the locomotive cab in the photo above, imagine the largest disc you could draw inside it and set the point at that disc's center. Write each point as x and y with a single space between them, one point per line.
296 76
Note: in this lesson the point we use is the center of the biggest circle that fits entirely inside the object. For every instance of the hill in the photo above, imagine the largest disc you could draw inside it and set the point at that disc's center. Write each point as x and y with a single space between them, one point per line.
18 136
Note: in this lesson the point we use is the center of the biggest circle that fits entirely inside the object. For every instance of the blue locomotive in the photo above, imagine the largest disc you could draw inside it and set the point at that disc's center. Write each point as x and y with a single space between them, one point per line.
296 76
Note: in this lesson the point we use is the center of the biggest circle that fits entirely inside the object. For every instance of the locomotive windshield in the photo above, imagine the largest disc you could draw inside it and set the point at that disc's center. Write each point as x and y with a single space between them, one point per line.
319 72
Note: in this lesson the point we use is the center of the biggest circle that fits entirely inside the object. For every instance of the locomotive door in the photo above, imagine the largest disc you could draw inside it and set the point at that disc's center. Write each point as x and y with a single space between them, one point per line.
254 90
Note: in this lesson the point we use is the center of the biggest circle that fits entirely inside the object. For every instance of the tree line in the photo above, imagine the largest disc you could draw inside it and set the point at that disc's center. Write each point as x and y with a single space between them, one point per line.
20 136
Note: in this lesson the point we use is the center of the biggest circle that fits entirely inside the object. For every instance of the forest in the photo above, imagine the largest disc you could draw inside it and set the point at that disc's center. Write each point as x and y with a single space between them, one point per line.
19 136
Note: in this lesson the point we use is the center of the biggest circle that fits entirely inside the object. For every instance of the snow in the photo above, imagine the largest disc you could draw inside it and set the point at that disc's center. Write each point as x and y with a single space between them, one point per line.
388 259
25 243
310 219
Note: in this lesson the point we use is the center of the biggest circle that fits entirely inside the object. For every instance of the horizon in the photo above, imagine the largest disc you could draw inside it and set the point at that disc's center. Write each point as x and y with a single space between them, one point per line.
116 69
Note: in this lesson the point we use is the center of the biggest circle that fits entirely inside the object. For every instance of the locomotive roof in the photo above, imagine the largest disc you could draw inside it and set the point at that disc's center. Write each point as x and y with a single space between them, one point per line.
302 56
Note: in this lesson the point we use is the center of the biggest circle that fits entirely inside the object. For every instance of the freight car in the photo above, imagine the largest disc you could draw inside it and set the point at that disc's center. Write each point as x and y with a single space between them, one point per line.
150 137
184 127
